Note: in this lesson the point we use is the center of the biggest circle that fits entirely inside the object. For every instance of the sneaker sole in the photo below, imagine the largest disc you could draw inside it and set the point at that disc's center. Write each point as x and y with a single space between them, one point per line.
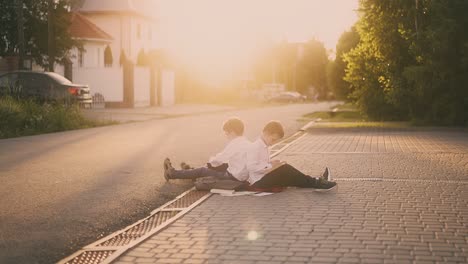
327 190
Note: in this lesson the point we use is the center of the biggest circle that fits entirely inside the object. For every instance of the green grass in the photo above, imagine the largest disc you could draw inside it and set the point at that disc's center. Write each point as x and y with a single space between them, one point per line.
362 125
339 116
346 116
25 117
345 107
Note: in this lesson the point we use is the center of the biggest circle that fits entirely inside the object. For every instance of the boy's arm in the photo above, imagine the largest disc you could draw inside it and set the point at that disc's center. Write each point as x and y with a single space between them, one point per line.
221 157
275 165
255 163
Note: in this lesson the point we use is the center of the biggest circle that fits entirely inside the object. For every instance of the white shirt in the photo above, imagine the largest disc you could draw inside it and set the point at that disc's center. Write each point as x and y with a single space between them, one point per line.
235 155
258 160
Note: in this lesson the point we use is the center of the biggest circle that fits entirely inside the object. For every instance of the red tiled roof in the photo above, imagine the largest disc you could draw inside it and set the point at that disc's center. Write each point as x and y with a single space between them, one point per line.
82 28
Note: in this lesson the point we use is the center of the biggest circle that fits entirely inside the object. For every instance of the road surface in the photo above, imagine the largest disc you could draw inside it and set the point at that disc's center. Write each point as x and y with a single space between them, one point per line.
62 191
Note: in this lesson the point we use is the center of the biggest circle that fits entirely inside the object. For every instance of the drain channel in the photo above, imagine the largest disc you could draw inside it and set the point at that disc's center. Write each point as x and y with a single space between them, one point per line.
109 248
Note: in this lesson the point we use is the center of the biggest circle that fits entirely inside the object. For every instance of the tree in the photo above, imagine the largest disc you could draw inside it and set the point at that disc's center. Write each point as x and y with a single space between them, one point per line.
108 59
411 61
35 30
122 58
142 59
281 63
336 68
311 69
438 77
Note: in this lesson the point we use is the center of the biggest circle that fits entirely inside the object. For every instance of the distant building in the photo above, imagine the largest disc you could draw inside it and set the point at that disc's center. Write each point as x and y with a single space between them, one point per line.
112 32
95 42
116 25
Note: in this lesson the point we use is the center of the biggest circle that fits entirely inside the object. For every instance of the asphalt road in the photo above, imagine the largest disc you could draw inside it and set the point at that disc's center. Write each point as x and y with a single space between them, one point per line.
62 191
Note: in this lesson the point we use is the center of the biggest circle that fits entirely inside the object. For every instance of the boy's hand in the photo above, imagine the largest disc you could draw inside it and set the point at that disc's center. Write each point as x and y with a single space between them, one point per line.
275 163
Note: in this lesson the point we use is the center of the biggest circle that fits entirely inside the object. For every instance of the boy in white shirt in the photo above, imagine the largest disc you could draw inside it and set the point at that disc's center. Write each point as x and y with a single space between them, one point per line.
228 164
265 174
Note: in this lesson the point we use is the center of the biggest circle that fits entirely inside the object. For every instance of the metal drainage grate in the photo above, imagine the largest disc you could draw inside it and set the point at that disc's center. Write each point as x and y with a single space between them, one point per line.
91 257
111 247
139 230
187 199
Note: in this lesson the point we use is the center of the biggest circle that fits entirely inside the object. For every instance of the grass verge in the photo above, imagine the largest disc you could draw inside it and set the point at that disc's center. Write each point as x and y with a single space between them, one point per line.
347 116
338 116
25 117
362 125
345 107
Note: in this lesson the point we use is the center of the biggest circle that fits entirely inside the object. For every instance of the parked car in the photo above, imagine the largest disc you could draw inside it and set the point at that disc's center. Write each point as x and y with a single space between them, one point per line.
288 97
48 86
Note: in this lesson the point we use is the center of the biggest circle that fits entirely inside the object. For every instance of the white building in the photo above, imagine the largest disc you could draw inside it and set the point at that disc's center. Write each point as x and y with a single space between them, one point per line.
109 29
94 39
131 30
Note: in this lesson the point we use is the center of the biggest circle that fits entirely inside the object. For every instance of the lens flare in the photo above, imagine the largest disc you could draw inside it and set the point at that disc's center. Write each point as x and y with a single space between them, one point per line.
252 235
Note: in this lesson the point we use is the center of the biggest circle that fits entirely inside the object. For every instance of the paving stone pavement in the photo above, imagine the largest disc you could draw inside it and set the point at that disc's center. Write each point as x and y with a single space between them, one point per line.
417 213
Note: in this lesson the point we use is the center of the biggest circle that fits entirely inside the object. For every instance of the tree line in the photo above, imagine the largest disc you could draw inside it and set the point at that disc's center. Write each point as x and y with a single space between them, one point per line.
402 60
34 16
406 60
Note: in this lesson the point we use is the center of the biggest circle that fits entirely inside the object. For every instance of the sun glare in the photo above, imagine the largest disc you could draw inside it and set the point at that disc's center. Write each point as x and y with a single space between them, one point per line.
222 35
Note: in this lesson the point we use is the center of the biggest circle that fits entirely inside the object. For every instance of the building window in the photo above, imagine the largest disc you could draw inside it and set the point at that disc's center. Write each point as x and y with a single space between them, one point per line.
99 57
80 58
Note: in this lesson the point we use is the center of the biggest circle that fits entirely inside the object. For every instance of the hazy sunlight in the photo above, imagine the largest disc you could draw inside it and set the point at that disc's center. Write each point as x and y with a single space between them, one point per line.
217 35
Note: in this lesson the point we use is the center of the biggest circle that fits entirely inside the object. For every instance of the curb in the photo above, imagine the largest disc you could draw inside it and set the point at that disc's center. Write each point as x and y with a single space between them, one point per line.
109 248
310 124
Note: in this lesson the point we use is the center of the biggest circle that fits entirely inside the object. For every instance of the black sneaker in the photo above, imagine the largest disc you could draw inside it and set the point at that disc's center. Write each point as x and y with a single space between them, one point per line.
167 169
325 186
326 175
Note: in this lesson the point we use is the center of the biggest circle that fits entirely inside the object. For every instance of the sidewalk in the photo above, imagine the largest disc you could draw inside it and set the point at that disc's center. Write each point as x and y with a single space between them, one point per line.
147 113
402 198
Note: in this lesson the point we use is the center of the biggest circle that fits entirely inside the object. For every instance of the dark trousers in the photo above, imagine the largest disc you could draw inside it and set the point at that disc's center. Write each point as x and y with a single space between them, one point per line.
201 172
284 176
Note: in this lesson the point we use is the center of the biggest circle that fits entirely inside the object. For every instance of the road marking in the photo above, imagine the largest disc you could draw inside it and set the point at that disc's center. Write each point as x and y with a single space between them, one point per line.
401 180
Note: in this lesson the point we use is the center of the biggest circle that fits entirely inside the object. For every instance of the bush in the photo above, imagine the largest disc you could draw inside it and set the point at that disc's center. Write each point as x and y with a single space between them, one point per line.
23 117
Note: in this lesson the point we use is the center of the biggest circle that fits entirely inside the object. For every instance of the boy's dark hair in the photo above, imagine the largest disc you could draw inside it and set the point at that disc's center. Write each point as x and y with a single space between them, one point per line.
274 127
235 125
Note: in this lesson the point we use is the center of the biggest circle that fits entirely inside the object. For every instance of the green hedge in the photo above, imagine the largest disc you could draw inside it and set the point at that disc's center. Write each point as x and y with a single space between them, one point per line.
23 117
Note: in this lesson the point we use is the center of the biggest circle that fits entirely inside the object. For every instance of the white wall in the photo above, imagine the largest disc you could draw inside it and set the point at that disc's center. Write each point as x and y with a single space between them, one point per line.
142 85
123 29
114 26
143 42
58 68
106 81
93 55
167 88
